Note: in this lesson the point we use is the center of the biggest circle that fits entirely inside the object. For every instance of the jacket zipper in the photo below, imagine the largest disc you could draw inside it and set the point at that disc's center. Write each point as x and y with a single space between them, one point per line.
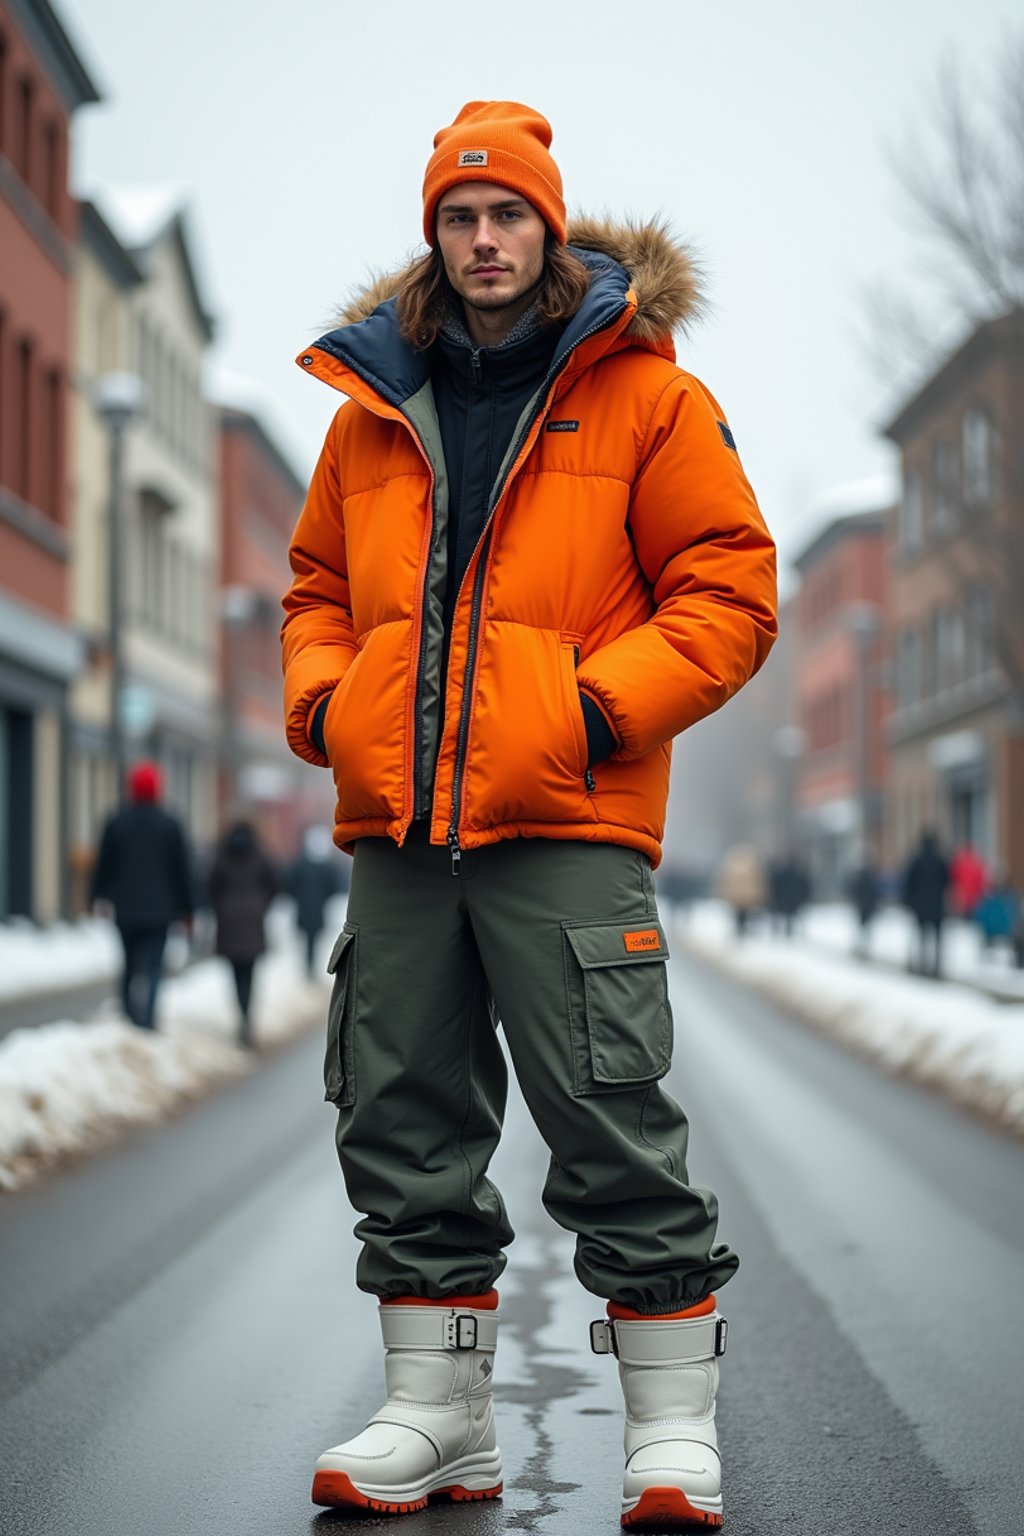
588 777
484 544
417 775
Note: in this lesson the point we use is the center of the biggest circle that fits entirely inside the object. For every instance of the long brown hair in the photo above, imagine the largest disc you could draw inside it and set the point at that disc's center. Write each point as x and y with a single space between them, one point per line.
425 294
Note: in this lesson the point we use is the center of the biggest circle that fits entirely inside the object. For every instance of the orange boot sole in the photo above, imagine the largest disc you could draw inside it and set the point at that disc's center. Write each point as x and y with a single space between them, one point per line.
670 1509
336 1490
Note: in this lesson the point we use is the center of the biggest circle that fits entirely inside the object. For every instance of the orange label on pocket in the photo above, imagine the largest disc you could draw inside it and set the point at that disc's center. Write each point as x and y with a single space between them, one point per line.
647 938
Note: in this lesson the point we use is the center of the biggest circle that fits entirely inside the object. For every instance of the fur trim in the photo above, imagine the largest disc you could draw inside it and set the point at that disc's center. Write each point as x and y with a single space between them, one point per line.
666 278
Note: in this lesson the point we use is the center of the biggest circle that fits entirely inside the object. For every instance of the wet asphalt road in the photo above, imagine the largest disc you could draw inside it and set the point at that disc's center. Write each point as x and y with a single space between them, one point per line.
179 1334
77 1002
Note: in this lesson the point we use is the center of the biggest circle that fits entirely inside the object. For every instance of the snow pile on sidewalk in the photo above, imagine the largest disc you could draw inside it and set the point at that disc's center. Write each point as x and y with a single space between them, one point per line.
37 960
891 939
71 1088
939 1033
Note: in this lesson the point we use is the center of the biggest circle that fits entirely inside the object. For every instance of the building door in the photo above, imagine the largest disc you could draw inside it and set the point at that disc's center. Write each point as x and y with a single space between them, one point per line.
15 813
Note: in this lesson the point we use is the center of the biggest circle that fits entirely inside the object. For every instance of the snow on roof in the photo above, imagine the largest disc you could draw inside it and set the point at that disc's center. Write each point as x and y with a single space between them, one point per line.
850 499
138 214
235 392
876 493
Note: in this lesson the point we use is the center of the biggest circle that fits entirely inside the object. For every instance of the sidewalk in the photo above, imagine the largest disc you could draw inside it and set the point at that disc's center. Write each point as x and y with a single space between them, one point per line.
951 1035
72 1087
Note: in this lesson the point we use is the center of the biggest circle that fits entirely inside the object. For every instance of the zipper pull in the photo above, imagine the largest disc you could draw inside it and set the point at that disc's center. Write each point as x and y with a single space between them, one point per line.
475 365
590 782
454 849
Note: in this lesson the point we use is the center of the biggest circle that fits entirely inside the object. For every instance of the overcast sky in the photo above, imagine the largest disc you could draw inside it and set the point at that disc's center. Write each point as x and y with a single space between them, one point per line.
298 135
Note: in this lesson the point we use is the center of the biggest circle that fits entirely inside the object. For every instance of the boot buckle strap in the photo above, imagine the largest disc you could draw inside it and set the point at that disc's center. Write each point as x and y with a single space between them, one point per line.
602 1338
460 1331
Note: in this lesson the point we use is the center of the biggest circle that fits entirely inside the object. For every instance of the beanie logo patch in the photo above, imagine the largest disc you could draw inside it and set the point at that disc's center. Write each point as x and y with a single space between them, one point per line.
473 157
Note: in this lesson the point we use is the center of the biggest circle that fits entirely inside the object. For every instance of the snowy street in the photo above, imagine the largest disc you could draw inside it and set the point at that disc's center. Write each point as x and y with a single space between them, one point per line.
181 1335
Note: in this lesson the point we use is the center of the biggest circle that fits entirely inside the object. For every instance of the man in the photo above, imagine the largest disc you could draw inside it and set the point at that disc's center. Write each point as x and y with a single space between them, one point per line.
925 883
142 871
528 559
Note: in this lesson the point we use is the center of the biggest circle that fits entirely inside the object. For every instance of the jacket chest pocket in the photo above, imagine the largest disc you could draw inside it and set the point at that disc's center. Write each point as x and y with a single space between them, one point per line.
620 1018
339 1060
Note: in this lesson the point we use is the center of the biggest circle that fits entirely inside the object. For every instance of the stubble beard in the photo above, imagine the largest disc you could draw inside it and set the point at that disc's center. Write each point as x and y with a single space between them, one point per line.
493 303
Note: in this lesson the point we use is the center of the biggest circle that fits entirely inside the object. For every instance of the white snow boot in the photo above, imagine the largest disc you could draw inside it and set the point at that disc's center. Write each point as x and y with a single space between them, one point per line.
669 1373
434 1436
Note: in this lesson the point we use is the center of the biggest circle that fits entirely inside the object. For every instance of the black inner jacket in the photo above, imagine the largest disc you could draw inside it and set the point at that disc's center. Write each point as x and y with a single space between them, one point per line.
480 394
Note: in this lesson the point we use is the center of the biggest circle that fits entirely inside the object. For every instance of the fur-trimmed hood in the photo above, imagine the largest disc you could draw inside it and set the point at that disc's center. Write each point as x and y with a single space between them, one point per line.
663 273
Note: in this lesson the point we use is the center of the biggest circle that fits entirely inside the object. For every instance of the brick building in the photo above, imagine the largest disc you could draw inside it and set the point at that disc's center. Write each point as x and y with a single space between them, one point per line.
139 309
260 499
956 733
841 693
42 83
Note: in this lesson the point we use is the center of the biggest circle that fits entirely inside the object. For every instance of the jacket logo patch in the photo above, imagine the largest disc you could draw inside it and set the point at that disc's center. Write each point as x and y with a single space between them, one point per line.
563 426
727 437
646 939
473 157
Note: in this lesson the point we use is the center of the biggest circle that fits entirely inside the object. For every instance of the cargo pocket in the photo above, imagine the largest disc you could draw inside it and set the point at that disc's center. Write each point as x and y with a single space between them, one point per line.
619 1012
339 1061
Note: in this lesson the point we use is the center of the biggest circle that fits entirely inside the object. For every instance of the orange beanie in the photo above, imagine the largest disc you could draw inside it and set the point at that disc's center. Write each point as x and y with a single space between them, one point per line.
500 141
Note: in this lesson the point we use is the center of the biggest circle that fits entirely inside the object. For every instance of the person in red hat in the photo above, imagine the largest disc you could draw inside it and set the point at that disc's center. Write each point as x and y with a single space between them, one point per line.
528 559
143 872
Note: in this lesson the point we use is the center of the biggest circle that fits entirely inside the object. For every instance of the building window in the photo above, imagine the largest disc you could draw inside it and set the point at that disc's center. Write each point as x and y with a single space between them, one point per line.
980 642
23 143
910 526
3 94
947 649
946 483
979 475
4 425
54 442
53 169
23 462
909 677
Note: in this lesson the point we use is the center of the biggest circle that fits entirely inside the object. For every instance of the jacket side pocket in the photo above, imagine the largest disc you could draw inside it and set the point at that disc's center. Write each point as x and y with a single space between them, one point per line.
619 1010
339 1060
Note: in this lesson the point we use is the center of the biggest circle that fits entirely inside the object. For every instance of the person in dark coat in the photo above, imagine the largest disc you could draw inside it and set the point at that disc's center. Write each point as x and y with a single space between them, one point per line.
925 883
790 887
312 880
864 888
241 887
142 871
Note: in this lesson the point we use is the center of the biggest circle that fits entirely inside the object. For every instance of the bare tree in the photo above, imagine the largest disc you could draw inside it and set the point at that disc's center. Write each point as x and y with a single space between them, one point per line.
960 171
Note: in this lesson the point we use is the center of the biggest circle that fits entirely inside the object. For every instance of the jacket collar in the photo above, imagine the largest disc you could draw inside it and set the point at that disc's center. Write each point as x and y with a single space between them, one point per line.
643 285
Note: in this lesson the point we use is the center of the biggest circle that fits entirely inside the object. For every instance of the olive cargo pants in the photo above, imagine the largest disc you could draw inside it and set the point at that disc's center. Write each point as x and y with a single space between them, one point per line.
561 942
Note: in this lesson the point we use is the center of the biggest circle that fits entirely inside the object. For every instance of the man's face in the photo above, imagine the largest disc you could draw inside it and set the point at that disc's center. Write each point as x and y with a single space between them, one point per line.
492 243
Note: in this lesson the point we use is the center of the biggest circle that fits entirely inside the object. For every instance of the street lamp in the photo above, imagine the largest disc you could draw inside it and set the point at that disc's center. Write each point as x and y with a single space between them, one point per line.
238 606
788 744
864 620
120 399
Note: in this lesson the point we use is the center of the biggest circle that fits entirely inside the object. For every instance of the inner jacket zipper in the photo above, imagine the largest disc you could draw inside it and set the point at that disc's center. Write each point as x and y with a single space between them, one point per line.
417 774
484 545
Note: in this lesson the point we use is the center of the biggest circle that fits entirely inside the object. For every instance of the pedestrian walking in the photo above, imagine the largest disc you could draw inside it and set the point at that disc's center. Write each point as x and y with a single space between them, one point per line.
529 557
143 872
864 888
790 887
968 879
998 913
241 887
742 883
312 880
925 883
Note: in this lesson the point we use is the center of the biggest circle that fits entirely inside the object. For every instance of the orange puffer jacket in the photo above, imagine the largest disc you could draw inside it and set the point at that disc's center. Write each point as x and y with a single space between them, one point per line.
624 555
